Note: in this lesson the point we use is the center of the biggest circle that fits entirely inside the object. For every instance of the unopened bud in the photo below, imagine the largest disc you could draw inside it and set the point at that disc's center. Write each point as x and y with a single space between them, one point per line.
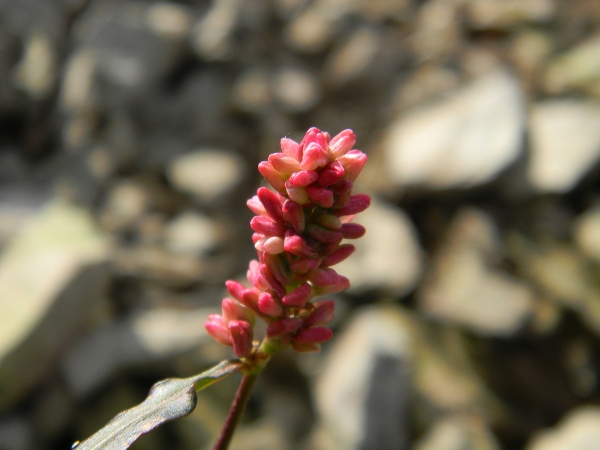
339 255
320 196
352 231
268 305
299 296
291 148
293 213
271 202
314 335
275 178
321 315
342 143
241 337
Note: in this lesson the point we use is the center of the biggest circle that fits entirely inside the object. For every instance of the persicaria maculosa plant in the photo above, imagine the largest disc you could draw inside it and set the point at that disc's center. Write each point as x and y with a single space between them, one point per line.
299 230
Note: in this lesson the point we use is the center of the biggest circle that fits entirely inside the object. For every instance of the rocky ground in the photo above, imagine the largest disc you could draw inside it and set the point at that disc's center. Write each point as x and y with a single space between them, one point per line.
130 132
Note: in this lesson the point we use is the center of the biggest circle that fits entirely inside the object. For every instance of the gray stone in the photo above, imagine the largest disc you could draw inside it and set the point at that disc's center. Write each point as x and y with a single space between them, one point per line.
252 90
191 233
554 126
211 36
458 432
579 430
51 276
464 288
388 256
508 13
207 173
296 89
146 337
126 204
463 140
36 72
437 29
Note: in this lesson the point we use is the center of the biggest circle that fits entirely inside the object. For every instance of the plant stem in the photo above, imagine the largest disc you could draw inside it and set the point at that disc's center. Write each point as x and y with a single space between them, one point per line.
235 412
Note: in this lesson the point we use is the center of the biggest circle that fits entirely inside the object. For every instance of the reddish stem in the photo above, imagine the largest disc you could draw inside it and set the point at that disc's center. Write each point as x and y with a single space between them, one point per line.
235 412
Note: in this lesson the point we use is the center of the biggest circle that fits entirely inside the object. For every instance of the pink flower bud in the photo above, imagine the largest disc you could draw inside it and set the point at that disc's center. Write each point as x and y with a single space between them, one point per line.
235 289
303 178
314 156
241 337
320 196
297 194
339 255
295 245
314 135
321 315
341 200
271 245
268 305
331 247
267 226
353 163
283 326
292 149
293 213
232 310
283 163
330 221
275 178
341 187
303 265
356 204
306 348
342 143
278 267
332 173
255 277
250 299
217 329
322 277
340 284
272 281
352 231
271 203
313 335
299 296
256 206
257 237
323 234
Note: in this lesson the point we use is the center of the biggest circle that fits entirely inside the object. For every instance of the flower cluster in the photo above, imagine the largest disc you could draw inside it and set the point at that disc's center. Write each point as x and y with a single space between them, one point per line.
298 233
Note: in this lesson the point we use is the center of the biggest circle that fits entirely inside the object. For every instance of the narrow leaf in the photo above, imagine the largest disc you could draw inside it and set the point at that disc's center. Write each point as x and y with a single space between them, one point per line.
168 400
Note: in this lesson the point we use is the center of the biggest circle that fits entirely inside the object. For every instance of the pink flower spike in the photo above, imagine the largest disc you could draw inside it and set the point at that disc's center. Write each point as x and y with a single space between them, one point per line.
275 178
342 143
299 296
216 328
283 163
283 326
291 148
323 234
313 335
352 231
256 206
241 337
356 204
297 194
321 315
353 163
339 255
320 196
267 226
314 157
268 305
271 203
293 213
295 245
333 172
303 178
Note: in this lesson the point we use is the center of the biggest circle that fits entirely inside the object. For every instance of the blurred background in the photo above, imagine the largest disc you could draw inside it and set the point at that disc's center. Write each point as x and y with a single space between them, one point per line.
130 132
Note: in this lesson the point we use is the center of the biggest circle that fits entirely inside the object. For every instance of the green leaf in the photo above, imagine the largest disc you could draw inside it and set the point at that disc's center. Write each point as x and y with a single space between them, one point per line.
168 400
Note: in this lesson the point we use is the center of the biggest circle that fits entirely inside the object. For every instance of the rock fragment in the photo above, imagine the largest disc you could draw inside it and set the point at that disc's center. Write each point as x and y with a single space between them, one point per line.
579 430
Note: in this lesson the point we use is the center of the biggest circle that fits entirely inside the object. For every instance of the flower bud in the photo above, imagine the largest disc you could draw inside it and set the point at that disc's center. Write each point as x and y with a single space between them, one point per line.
329 221
216 328
303 178
352 231
232 310
313 335
268 305
341 187
271 203
295 245
322 277
320 196
256 206
303 265
353 163
275 178
235 289
297 194
356 204
291 148
321 315
241 337
267 226
293 213
323 234
283 326
332 173
314 157
272 281
342 143
339 255
283 163
299 296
